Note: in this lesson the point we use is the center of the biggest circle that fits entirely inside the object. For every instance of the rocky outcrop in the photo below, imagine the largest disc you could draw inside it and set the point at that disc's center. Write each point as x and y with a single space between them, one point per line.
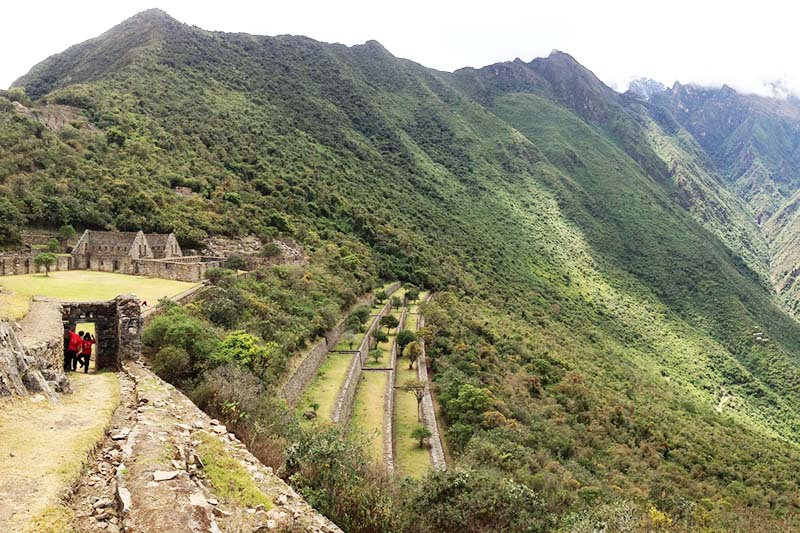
31 353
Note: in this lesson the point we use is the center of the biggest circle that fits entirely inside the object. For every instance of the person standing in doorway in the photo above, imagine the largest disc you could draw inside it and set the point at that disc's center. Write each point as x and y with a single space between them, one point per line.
74 347
86 351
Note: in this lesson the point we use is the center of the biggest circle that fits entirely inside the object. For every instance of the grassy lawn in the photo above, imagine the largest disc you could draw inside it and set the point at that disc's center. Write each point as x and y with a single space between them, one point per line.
367 421
344 345
325 387
411 460
82 285
411 321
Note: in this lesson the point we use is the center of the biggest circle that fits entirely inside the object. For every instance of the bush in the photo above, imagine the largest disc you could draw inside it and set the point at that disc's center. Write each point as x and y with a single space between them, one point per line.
217 275
235 262
270 250
53 246
171 363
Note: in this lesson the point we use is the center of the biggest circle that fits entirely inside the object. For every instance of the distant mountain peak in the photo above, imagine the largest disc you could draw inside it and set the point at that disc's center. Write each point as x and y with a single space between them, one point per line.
645 88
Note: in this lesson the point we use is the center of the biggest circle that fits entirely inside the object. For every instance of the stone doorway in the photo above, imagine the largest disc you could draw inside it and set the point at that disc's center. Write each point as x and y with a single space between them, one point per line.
117 324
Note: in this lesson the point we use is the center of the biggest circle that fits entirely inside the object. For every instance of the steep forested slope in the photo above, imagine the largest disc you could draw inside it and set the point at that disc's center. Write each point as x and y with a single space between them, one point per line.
586 326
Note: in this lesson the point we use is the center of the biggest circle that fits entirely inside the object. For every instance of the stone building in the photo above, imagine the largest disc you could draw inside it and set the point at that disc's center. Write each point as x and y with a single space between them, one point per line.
154 254
164 245
111 251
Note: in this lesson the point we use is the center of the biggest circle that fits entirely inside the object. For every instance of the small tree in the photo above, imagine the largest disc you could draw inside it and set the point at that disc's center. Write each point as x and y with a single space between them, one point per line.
389 322
421 433
380 296
412 294
396 301
412 352
235 262
66 233
404 338
417 388
314 406
378 335
349 337
46 260
53 245
376 354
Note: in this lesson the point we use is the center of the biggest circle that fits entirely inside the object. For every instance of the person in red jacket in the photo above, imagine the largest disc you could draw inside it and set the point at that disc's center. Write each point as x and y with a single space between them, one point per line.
74 347
86 351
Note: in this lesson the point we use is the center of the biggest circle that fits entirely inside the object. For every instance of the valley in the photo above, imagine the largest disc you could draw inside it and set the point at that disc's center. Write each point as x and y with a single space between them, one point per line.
591 293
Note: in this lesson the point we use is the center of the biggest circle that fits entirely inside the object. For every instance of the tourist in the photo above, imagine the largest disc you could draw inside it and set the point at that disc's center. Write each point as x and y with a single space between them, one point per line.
74 346
144 304
86 351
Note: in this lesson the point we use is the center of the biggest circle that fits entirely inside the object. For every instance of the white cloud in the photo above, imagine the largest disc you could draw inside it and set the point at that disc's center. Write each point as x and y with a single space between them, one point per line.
747 45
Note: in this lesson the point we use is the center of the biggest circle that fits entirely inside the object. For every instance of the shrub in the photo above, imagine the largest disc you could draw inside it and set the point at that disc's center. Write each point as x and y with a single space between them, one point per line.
171 363
234 263
53 246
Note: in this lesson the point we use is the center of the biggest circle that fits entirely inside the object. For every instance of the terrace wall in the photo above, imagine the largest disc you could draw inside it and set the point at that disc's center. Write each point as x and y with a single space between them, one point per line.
305 372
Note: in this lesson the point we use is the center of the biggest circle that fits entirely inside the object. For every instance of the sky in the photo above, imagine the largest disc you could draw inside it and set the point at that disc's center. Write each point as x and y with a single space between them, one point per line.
747 45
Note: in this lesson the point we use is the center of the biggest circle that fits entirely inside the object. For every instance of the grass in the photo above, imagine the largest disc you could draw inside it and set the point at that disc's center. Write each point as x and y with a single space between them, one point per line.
367 421
84 285
55 518
46 444
229 480
325 387
411 460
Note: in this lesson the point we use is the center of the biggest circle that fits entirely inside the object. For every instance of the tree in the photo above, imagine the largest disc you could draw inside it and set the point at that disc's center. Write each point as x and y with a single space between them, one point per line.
10 221
417 388
235 262
375 354
389 322
404 338
46 260
421 433
412 352
412 294
53 245
396 301
349 337
378 335
380 296
66 233
314 406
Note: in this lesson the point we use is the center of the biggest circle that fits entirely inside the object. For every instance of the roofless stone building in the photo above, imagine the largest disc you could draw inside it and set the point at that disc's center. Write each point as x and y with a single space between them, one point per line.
153 254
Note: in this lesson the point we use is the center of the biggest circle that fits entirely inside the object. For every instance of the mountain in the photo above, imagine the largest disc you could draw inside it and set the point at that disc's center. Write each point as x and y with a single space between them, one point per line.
600 268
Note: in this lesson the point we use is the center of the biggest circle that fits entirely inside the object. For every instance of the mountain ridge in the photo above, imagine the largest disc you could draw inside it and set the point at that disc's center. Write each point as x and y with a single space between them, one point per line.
597 283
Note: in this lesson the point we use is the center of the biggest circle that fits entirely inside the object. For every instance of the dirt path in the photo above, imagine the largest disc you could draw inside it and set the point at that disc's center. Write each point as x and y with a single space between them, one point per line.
44 446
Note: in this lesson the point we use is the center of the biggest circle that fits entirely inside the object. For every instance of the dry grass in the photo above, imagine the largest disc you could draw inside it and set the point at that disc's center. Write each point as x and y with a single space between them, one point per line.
44 446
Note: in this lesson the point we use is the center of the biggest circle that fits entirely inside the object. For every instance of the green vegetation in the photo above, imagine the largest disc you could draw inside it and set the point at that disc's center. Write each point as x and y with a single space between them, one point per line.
367 419
46 260
229 479
584 322
326 386
412 459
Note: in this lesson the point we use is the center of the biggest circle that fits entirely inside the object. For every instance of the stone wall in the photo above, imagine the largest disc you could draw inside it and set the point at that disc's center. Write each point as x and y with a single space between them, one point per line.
16 264
118 327
388 401
428 411
190 269
183 298
343 407
304 373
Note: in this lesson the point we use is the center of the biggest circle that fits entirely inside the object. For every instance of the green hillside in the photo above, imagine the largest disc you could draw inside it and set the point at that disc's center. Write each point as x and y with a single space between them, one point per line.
591 335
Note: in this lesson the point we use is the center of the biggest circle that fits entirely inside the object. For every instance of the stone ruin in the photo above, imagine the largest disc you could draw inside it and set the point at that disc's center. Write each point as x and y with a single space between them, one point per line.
32 353
118 328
